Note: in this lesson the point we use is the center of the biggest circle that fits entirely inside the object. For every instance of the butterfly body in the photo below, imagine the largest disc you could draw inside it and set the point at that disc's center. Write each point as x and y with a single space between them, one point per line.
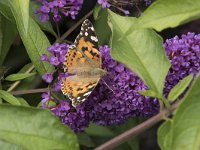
88 72
83 62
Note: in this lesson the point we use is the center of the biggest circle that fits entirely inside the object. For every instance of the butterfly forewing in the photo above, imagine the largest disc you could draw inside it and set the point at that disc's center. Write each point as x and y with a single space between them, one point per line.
74 59
87 43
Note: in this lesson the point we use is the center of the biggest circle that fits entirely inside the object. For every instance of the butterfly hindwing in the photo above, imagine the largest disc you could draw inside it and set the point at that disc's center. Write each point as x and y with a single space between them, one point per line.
87 43
78 89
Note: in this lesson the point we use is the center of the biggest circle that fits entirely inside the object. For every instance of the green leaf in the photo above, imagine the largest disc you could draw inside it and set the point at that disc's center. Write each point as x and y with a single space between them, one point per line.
8 33
5 10
28 83
141 51
101 22
163 14
34 129
25 68
149 93
46 26
1 34
1 100
9 98
96 12
19 76
180 88
164 135
9 146
22 101
185 127
85 140
36 43
96 130
22 9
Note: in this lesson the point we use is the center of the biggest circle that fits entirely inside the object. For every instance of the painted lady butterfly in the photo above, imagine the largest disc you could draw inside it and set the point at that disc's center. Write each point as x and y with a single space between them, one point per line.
83 62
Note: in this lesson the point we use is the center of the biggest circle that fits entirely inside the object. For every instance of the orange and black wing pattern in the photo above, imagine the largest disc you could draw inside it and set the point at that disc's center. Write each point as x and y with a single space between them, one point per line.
78 89
87 43
74 59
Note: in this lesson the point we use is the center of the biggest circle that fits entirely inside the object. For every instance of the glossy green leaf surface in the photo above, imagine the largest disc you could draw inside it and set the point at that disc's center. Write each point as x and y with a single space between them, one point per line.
164 14
19 76
9 98
141 50
35 41
180 88
34 129
183 133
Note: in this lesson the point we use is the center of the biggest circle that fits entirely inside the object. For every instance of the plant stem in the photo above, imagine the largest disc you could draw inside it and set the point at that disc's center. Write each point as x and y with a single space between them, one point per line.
125 136
21 92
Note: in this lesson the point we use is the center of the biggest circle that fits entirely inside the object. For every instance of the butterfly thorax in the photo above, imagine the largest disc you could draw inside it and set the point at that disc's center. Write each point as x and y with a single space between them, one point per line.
87 72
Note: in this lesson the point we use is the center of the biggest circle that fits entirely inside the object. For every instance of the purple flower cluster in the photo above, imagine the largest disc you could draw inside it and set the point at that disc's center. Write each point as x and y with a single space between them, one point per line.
77 119
113 105
58 52
121 100
57 7
184 55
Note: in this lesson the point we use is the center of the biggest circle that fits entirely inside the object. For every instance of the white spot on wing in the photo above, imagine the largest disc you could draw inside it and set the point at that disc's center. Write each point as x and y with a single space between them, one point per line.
86 94
92 28
94 38
86 34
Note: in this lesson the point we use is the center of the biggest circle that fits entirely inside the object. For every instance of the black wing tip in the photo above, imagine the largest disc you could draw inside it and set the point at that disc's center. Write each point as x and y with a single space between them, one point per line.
87 21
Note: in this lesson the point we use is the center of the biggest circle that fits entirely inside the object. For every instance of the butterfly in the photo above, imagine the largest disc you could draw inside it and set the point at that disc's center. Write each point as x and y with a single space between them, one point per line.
83 61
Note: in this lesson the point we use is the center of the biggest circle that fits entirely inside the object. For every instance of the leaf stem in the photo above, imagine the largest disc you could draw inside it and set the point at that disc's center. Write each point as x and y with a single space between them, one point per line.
125 136
166 103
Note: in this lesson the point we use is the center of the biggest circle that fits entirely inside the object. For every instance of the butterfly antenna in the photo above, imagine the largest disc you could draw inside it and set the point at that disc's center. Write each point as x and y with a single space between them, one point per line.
108 86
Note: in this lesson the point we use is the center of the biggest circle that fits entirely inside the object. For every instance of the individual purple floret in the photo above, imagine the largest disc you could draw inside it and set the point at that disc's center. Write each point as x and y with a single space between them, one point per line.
46 97
44 57
104 3
48 77
57 8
